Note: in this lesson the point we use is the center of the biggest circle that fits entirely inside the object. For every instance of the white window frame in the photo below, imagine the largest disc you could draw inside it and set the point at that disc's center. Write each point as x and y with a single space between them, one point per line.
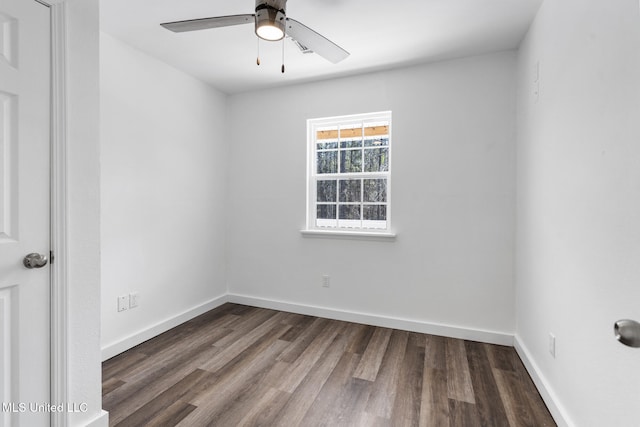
337 226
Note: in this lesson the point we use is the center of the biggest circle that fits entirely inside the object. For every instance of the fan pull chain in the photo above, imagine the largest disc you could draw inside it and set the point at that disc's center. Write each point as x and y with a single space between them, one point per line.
258 57
284 37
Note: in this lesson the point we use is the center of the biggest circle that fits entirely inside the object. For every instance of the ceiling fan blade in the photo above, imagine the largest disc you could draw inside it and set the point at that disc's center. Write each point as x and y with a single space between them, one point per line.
315 42
206 23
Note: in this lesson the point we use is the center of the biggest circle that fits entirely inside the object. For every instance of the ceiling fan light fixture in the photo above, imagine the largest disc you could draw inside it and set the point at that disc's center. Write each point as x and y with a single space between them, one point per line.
270 24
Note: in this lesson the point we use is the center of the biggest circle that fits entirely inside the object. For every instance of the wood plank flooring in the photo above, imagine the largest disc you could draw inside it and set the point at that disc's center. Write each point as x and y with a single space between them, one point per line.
245 366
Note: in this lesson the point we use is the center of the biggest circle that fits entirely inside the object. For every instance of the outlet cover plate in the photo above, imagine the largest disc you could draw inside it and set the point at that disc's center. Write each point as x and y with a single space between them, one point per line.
123 302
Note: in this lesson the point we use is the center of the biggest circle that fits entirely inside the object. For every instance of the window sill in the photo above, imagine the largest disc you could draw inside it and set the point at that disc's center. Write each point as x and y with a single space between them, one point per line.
342 234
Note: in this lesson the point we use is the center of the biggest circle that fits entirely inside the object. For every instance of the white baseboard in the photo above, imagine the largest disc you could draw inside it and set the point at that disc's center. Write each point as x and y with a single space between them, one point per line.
101 421
490 337
139 337
557 410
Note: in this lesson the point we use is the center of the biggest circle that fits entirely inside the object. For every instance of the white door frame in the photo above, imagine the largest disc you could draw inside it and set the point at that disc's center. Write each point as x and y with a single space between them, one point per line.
59 209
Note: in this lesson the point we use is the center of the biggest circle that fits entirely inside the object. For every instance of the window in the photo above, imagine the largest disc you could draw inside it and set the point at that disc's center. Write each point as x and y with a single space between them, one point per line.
349 173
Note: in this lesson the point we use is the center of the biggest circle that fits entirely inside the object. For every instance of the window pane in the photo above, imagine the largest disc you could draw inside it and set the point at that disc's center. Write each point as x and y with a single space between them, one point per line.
327 191
351 132
352 143
326 212
349 211
351 161
328 162
376 142
327 145
350 190
375 213
375 190
326 132
376 160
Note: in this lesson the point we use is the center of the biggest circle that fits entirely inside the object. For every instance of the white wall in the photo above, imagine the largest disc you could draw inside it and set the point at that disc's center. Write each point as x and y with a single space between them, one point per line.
164 177
453 196
83 180
578 206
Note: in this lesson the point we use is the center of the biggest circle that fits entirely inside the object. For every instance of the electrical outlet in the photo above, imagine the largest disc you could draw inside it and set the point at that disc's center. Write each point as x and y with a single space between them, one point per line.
134 299
123 302
326 280
552 345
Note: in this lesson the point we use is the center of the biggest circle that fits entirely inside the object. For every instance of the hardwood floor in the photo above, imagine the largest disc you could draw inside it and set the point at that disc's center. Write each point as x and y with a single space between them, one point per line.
245 366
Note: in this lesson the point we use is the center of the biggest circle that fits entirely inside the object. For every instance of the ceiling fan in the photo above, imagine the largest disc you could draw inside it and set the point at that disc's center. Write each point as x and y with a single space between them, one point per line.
271 24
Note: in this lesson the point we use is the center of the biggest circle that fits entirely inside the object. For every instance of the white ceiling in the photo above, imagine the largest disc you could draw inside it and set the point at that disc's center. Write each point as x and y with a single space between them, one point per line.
378 34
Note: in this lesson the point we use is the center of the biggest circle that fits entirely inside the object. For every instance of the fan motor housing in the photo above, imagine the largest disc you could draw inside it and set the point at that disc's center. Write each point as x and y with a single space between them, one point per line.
270 19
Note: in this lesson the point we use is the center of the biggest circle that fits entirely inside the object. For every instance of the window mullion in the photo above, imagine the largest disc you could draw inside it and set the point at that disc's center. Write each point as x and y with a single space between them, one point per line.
362 161
361 203
338 177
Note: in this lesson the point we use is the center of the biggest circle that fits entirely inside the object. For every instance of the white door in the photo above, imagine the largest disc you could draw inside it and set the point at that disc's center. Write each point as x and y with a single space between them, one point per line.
24 212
